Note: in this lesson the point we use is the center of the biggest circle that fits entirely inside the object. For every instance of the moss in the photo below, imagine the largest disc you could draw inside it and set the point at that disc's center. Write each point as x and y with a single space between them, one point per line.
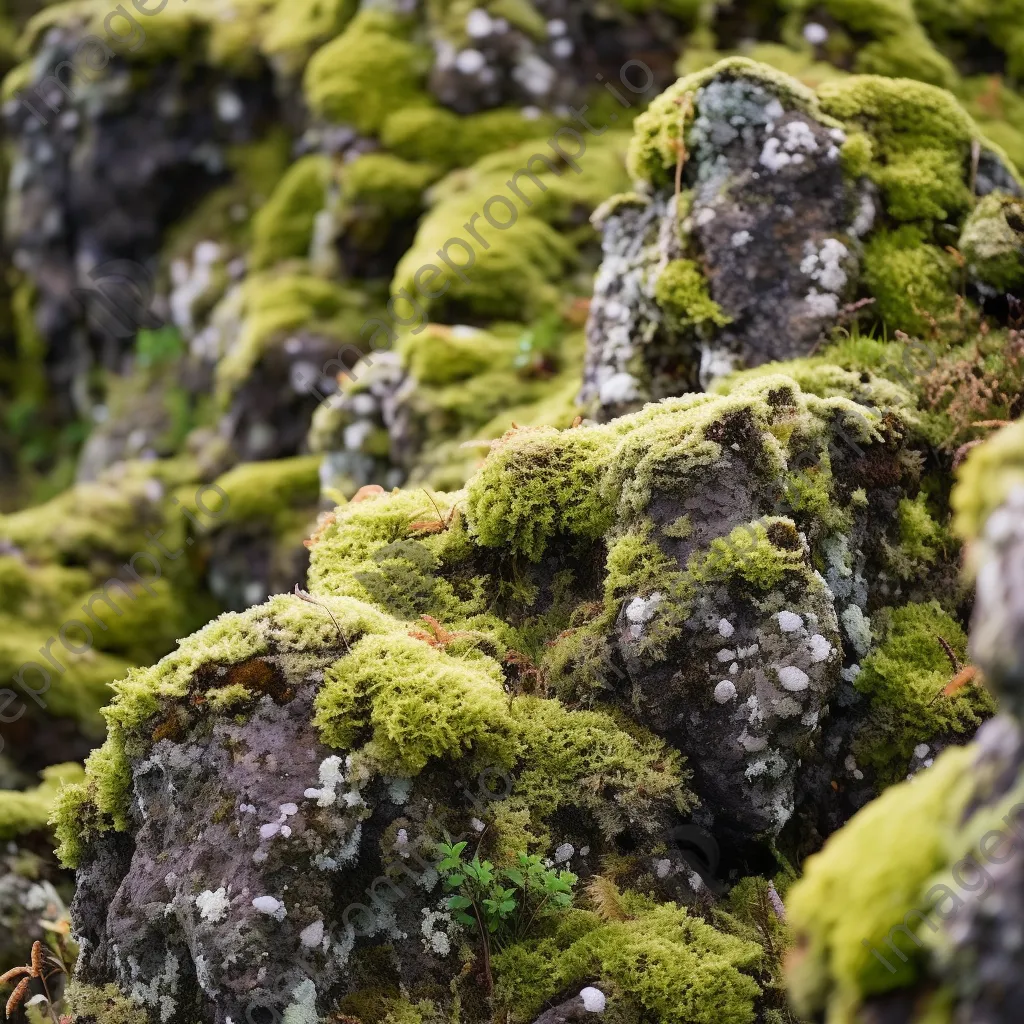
272 304
903 677
892 847
270 492
682 291
365 73
992 242
677 968
105 1005
512 274
543 484
920 143
283 227
29 811
436 136
986 479
912 281
291 30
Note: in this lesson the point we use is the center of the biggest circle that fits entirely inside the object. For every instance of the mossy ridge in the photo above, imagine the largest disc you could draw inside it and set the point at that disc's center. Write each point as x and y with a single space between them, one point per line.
437 704
659 961
894 847
271 303
903 677
513 275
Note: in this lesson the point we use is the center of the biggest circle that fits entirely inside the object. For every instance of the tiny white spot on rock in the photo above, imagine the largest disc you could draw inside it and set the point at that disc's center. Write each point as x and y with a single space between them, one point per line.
793 679
269 830
725 691
821 649
725 655
289 809
312 936
270 906
725 628
593 1000
815 34
789 622
213 906
470 62
564 853
921 751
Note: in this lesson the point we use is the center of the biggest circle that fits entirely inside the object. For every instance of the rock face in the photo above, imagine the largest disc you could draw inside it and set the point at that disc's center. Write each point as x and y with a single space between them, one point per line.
637 657
763 212
602 606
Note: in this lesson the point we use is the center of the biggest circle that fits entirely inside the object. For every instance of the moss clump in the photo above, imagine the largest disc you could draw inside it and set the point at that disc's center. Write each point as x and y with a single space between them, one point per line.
104 1005
893 847
270 492
912 281
660 962
367 72
545 483
916 145
271 304
436 136
986 479
903 677
29 811
511 274
682 291
283 227
992 242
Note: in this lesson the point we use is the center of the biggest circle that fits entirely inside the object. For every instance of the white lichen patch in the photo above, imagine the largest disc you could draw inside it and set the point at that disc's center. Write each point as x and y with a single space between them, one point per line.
213 905
792 678
270 906
725 691
789 622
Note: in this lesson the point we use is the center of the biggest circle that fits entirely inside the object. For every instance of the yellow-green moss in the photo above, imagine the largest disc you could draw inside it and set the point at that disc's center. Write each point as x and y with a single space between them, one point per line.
912 281
271 491
888 851
662 962
682 291
903 677
107 1005
986 478
272 304
29 811
513 273
992 242
283 226
367 72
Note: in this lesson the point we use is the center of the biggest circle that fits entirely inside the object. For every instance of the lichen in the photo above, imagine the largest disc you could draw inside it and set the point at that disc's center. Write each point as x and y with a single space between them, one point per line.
992 242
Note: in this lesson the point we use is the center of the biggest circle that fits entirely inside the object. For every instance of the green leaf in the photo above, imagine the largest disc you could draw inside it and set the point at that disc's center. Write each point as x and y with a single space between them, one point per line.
455 880
459 903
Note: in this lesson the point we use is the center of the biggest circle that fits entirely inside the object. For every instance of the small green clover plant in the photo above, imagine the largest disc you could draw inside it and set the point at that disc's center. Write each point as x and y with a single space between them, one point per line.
502 903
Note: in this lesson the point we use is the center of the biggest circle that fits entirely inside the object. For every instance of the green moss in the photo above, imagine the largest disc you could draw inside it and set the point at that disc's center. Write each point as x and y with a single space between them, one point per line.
270 492
992 242
105 1005
512 273
912 281
544 483
367 72
891 848
29 811
920 143
682 291
986 478
674 967
292 29
436 136
283 227
272 304
903 677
